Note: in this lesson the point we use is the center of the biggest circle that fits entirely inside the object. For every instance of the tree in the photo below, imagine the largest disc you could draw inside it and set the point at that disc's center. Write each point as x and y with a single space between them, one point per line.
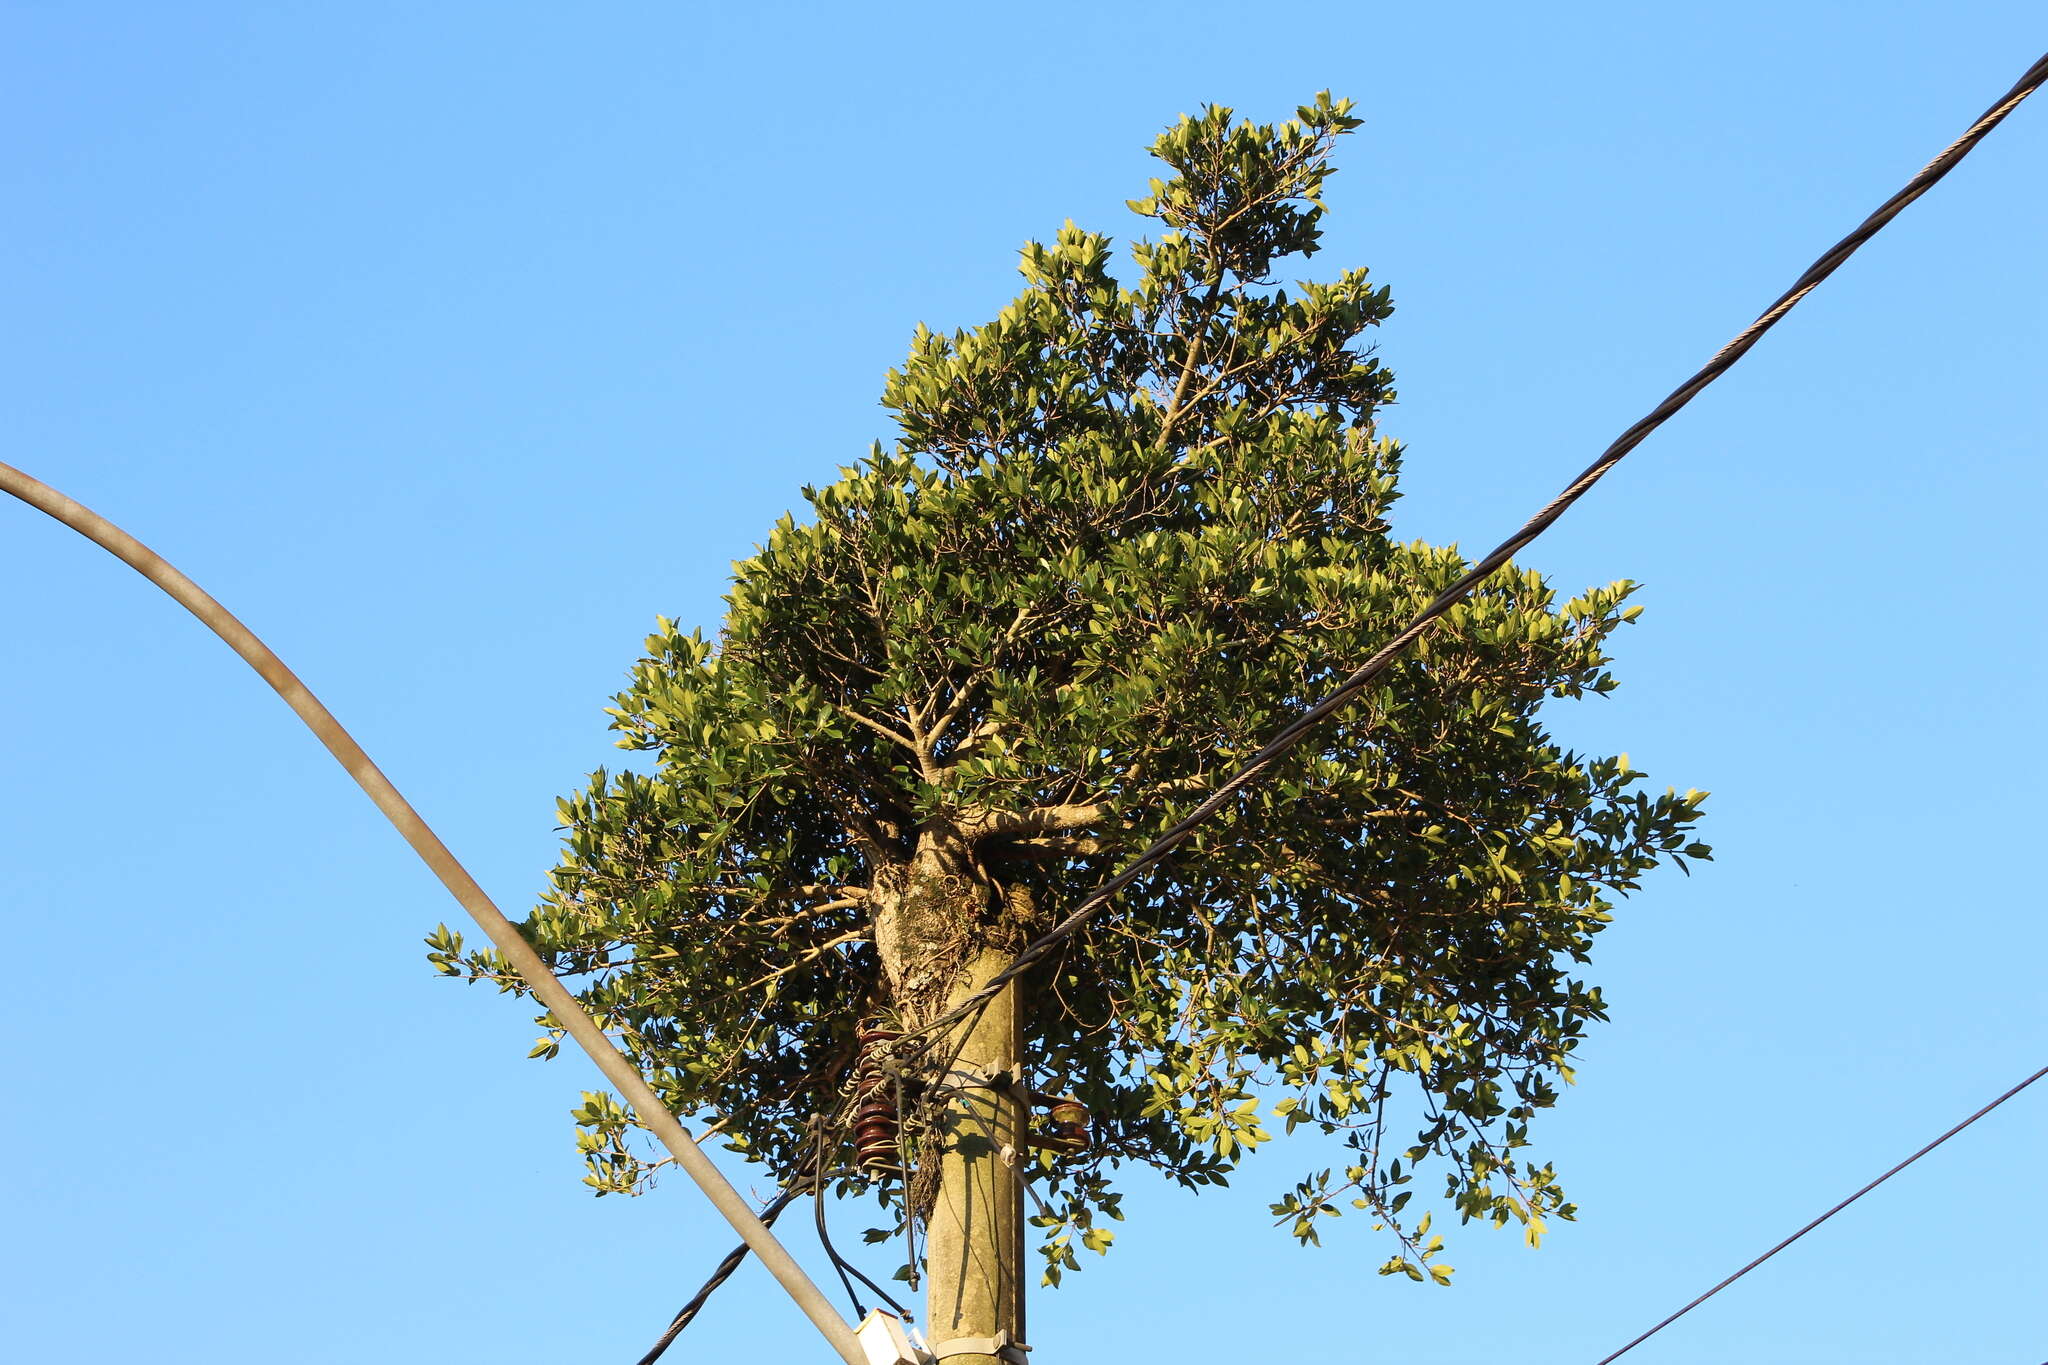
1125 533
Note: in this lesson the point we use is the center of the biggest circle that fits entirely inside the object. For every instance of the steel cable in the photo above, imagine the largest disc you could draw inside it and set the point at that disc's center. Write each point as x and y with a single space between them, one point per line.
1607 1359
1261 762
560 1001
1263 759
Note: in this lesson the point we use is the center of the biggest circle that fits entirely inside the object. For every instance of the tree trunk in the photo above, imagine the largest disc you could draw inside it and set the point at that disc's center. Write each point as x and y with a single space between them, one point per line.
975 1251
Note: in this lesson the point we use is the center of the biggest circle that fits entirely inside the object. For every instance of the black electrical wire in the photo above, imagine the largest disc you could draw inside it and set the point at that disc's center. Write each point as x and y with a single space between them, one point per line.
1607 1359
718 1277
846 1268
688 1312
831 1135
1259 765
839 1263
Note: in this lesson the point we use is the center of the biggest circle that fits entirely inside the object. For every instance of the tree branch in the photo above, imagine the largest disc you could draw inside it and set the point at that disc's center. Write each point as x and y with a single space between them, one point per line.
806 958
875 725
1037 820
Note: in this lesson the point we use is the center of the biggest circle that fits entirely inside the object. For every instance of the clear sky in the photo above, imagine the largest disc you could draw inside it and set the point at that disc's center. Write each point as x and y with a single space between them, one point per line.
449 344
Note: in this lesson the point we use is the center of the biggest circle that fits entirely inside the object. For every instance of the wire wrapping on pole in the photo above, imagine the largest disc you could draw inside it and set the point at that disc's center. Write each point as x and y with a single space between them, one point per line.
1259 765
560 1001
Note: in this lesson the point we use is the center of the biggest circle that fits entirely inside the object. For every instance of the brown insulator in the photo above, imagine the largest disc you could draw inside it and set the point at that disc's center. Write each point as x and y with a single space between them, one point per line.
1069 1119
874 1130
876 1124
874 1151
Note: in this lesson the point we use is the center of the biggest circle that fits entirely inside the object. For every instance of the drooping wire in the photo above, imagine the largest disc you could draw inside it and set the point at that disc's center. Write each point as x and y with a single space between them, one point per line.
1608 1359
846 1268
993 1137
831 1132
839 1264
1259 765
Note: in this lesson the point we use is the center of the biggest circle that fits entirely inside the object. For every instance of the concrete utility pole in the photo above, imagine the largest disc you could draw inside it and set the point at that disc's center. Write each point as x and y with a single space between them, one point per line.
974 1263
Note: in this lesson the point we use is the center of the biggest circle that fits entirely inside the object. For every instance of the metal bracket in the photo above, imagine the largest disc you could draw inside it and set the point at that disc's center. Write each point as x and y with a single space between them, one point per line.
1002 1345
968 1076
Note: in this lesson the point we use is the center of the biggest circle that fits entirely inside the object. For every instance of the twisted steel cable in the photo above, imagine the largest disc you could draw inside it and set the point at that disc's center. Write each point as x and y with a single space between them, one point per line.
1261 762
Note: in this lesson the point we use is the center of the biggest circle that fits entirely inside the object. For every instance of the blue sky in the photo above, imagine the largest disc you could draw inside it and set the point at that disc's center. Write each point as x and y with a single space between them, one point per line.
450 344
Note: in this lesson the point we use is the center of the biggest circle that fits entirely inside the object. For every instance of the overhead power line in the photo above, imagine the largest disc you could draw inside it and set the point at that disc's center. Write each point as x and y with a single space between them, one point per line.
1260 764
1607 1359
1254 767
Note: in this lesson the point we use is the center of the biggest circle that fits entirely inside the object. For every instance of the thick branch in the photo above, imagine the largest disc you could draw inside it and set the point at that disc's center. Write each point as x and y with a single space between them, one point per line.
1057 846
1038 820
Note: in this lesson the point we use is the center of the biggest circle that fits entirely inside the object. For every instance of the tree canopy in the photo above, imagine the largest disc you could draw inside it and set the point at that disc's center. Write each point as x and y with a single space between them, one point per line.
1124 533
